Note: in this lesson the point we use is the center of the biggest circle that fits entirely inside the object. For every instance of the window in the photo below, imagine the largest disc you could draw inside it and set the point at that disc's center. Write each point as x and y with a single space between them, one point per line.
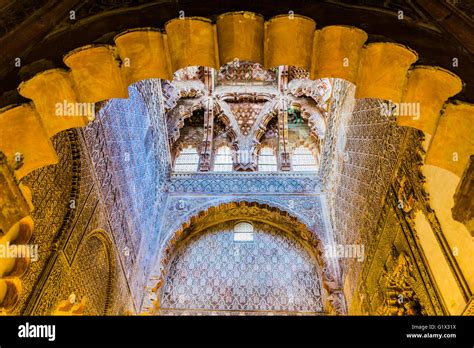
223 161
267 161
243 232
303 160
187 160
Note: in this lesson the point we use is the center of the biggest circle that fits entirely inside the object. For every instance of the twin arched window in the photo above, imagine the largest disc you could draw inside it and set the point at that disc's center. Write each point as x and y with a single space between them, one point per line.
267 161
223 160
303 160
187 160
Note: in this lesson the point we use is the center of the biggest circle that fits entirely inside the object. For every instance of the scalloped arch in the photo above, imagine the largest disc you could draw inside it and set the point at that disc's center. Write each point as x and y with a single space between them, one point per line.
101 72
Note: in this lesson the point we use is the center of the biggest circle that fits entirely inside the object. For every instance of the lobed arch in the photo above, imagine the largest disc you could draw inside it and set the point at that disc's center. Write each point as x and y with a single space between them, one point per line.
222 113
309 144
183 114
269 213
267 114
257 201
312 114
100 72
379 70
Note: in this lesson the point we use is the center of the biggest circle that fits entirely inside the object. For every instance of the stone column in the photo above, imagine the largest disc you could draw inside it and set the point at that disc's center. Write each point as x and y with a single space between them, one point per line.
285 163
206 152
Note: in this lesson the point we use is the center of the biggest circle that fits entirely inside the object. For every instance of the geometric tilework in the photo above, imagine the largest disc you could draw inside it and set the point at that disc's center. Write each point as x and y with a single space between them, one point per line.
211 272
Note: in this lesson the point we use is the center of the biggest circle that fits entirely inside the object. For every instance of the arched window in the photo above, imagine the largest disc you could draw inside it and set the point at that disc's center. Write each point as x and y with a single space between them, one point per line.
267 161
243 232
303 160
187 160
223 160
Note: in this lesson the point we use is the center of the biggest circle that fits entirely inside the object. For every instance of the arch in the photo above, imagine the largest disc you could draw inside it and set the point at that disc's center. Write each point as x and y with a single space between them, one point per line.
251 263
445 281
105 241
204 217
243 227
100 72
222 113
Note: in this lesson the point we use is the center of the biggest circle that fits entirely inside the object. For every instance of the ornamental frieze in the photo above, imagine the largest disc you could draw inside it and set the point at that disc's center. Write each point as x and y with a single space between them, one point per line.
257 183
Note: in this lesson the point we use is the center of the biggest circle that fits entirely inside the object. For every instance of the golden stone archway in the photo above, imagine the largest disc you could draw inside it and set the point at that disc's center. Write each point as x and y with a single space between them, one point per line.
101 72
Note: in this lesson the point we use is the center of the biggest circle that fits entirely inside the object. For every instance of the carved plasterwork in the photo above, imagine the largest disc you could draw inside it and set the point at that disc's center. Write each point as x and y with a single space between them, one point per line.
241 71
236 209
92 188
400 298
250 183
369 175
55 191
252 92
394 263
245 98
297 73
359 158
469 308
412 196
318 90
185 110
463 209
210 272
311 112
14 205
193 73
